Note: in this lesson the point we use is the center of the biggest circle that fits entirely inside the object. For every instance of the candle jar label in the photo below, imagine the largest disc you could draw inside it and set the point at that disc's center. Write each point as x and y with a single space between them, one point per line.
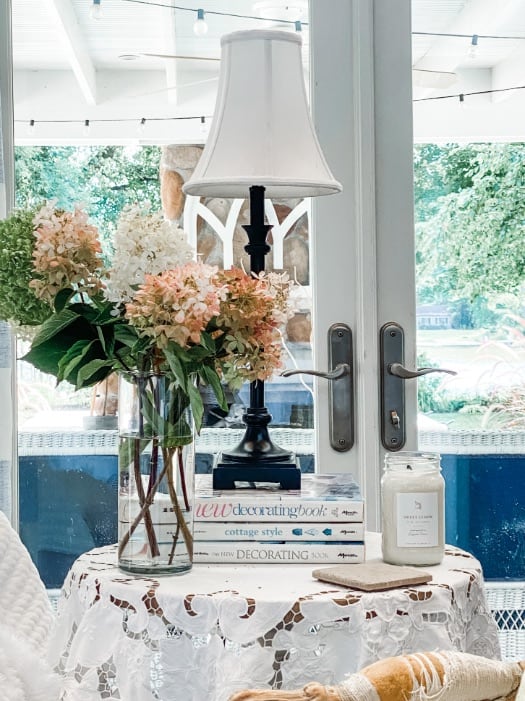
417 519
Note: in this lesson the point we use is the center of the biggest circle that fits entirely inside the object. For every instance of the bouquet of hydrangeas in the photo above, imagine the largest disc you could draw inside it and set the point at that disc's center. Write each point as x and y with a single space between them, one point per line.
155 308
154 311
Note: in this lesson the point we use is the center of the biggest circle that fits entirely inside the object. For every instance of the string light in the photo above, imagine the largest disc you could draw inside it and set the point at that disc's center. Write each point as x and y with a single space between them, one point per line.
474 48
214 12
298 26
464 36
142 125
204 128
200 28
293 22
202 120
89 122
86 129
96 9
31 127
462 96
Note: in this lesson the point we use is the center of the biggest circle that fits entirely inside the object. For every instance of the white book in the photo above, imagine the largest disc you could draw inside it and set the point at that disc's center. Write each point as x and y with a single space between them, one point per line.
278 553
322 498
267 531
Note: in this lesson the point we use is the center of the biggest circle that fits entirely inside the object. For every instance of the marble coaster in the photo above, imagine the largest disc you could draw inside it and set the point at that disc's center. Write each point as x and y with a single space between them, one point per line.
372 576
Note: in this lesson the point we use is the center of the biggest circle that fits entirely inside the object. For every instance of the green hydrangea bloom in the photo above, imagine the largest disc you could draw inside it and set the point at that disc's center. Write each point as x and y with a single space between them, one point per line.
18 302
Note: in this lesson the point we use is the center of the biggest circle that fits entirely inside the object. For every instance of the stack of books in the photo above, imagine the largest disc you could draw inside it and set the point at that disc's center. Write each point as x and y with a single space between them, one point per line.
323 522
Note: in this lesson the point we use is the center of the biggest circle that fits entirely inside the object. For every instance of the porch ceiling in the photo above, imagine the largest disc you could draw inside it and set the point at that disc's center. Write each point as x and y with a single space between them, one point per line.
71 67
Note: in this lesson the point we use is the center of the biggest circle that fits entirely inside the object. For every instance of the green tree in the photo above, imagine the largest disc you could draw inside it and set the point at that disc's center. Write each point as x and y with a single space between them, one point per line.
103 178
470 211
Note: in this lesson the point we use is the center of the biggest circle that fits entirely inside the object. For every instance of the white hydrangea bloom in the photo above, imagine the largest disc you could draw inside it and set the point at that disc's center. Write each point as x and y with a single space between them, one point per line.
145 243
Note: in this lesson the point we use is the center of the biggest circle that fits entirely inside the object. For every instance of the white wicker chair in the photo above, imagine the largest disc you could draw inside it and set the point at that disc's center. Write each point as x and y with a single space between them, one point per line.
506 600
26 622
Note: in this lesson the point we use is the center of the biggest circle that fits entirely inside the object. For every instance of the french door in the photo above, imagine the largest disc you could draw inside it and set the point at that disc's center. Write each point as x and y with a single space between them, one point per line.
363 241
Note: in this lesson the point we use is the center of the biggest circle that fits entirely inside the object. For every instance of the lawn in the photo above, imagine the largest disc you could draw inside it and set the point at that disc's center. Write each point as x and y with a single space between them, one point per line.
485 365
458 421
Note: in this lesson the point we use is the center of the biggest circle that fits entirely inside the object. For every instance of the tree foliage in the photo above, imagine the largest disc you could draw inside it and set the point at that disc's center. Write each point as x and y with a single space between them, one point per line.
103 178
470 212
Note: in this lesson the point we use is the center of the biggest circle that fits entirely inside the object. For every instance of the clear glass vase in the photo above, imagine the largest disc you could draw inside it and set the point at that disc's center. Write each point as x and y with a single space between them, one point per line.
156 476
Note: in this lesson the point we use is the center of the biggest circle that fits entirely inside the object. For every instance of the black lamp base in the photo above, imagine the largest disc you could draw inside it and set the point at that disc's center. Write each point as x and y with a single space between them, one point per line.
227 474
256 458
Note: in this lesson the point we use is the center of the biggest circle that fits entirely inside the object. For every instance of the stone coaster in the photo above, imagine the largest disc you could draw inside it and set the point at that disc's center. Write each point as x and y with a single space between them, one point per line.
372 576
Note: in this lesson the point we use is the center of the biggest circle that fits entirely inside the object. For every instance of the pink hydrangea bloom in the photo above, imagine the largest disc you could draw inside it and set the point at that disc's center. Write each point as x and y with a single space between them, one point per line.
177 304
67 252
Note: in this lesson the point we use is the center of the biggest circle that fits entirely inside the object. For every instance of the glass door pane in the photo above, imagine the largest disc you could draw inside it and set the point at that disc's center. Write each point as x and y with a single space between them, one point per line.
469 177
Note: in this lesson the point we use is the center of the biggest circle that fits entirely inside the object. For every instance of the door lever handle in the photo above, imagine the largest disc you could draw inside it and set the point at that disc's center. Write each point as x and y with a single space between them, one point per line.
392 374
340 393
340 370
399 370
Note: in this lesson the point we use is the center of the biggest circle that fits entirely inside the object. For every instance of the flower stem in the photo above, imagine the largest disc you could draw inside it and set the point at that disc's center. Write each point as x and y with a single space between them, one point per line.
142 514
168 454
145 501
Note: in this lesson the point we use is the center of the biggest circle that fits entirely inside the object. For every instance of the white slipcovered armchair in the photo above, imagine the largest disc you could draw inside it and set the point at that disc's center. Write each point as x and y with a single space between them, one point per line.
26 620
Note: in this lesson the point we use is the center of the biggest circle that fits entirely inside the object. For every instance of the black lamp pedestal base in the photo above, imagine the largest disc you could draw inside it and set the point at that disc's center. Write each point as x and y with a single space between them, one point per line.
227 473
256 458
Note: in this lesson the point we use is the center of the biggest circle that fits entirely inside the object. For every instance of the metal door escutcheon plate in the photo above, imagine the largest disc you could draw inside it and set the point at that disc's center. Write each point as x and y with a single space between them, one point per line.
392 350
341 390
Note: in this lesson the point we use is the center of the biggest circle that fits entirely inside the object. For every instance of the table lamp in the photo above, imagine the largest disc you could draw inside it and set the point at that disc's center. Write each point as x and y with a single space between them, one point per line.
261 143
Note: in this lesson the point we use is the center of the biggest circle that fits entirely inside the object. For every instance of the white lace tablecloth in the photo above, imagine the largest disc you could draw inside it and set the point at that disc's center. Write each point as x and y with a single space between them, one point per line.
220 628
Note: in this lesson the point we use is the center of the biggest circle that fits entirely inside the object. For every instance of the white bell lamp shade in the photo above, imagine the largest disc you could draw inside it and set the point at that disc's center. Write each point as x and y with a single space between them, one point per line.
262 132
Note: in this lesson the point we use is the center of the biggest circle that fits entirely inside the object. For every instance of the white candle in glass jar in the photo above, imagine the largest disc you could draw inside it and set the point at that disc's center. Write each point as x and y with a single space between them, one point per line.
412 509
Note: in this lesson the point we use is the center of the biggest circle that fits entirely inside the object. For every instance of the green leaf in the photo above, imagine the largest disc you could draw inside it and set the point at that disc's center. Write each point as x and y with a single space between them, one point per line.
211 378
124 334
198 353
93 372
208 343
62 298
181 353
177 368
70 360
54 325
197 405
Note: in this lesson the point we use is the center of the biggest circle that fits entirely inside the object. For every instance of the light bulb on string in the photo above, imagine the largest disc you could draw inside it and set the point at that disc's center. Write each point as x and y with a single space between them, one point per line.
31 127
298 26
87 127
142 125
96 9
204 127
461 99
200 27
474 48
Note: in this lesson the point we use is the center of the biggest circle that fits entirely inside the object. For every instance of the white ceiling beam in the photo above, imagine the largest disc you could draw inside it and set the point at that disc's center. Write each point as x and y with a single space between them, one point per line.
74 45
171 65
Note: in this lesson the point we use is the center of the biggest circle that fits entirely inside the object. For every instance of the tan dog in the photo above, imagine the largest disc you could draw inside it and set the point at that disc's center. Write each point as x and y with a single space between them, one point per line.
439 676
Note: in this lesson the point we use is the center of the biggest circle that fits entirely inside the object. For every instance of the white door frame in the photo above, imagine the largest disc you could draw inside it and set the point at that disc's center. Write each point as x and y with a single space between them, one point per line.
363 238
8 433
